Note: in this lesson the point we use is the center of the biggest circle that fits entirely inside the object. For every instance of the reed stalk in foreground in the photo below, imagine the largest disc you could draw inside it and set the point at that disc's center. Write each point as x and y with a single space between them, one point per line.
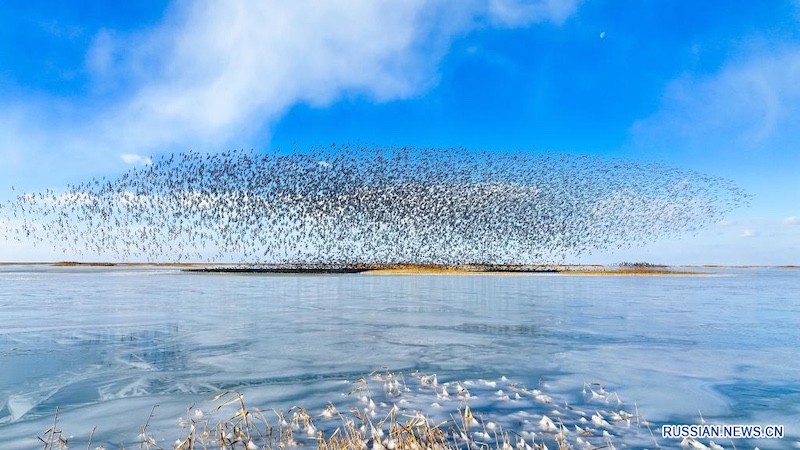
387 413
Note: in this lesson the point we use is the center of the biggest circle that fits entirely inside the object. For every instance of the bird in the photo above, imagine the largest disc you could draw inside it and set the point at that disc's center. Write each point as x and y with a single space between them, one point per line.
356 204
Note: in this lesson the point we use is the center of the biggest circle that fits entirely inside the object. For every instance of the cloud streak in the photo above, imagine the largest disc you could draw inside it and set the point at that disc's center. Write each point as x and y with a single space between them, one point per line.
747 104
513 13
748 233
132 158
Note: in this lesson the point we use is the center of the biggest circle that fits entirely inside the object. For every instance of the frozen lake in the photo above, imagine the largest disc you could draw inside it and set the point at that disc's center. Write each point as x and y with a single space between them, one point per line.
105 345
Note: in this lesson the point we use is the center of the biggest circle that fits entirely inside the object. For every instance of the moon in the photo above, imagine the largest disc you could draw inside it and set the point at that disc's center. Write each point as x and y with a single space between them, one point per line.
602 34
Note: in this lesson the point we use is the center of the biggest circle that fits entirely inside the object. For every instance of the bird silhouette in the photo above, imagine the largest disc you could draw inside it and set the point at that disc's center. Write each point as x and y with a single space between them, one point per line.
355 204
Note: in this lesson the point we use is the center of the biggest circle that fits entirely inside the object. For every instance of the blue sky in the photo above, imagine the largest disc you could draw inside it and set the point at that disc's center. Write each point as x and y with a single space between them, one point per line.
91 88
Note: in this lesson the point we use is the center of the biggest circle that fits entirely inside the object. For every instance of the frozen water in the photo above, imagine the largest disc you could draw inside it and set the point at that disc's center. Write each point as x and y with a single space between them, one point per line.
106 345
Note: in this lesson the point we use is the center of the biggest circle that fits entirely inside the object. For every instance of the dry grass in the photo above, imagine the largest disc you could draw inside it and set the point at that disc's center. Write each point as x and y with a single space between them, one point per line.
418 269
82 264
392 423
634 272
233 425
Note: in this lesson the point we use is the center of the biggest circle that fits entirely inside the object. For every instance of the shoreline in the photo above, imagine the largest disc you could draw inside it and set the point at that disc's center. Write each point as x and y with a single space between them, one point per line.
373 269
412 269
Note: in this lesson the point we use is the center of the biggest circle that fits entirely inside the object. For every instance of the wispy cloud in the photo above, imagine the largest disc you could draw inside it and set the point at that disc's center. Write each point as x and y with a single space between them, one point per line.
217 73
522 12
132 158
791 220
752 101
748 233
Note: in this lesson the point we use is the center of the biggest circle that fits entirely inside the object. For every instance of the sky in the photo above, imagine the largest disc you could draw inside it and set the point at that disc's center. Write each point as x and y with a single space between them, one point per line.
91 89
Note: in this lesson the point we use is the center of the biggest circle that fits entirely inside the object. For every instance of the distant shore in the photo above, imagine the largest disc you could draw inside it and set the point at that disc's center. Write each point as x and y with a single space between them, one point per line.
412 269
375 269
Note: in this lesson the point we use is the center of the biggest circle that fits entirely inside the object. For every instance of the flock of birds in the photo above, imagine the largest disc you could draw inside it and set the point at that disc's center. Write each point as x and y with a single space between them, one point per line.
354 204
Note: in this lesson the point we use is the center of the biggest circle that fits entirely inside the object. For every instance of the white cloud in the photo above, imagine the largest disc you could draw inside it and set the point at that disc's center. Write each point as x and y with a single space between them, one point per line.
752 101
237 66
215 73
748 233
791 220
524 12
132 158
100 57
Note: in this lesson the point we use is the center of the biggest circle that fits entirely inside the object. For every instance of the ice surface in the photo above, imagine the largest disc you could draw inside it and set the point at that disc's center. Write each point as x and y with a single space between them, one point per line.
106 345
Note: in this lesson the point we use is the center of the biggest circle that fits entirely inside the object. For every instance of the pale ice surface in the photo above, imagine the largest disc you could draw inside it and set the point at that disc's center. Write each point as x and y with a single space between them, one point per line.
106 345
